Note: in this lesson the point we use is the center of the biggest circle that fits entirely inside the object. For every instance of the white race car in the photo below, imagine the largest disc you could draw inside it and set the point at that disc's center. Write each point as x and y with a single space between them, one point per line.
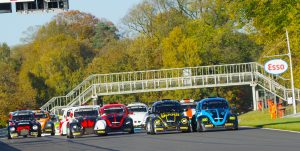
64 121
139 113
82 120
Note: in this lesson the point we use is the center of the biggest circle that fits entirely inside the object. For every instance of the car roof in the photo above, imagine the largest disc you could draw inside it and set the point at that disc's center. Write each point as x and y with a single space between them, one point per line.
136 104
22 112
39 111
212 99
164 101
84 107
113 105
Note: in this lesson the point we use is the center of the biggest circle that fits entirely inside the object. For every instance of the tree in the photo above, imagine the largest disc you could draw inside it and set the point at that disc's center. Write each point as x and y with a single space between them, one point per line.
4 52
105 33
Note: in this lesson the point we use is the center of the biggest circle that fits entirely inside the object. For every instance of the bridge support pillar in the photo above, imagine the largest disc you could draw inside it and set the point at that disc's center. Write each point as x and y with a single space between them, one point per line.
254 98
257 98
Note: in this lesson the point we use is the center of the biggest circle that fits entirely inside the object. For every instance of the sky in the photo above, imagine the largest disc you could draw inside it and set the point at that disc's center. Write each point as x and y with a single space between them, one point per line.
12 25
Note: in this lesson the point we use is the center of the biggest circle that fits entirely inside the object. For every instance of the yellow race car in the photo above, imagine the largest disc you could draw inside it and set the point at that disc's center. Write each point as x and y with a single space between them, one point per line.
43 117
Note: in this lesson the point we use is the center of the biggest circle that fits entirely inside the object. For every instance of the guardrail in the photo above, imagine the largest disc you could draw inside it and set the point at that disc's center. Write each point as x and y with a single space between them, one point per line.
172 79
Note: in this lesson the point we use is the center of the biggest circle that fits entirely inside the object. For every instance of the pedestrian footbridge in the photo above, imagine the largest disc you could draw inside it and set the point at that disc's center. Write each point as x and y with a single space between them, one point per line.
251 74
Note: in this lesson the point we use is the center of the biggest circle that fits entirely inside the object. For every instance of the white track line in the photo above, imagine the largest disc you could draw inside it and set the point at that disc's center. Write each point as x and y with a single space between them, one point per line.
273 129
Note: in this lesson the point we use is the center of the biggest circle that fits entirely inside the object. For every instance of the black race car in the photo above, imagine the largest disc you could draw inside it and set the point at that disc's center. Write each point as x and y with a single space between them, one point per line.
23 123
167 115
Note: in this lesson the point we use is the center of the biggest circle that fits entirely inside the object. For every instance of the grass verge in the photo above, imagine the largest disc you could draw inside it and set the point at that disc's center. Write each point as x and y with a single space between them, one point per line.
262 119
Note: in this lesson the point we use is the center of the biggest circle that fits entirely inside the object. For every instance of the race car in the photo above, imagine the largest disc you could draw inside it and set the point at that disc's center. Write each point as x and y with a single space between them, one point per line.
44 118
189 107
212 113
138 112
167 115
82 121
23 123
114 118
56 121
64 121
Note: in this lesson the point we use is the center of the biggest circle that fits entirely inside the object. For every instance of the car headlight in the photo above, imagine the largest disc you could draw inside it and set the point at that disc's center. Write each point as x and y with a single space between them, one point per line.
157 122
205 120
184 120
232 118
12 129
35 127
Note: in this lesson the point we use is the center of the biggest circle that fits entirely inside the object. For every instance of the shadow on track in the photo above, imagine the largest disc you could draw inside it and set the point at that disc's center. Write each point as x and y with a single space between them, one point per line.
277 123
5 147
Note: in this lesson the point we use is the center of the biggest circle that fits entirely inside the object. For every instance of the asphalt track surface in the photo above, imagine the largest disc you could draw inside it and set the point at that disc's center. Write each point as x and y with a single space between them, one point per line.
245 139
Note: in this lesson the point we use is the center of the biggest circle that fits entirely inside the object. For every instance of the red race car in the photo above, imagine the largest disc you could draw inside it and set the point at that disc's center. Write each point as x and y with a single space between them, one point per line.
114 118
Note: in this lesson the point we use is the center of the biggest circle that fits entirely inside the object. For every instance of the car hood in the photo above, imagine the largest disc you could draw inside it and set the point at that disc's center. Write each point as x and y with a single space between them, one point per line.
170 116
23 122
138 115
217 114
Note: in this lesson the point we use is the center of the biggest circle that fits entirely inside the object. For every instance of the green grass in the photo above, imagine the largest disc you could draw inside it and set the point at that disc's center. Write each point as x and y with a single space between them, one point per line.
262 119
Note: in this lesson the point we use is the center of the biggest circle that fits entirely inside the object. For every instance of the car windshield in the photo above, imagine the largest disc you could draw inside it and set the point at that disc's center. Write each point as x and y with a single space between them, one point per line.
22 117
86 112
112 110
54 118
137 109
40 115
168 107
215 104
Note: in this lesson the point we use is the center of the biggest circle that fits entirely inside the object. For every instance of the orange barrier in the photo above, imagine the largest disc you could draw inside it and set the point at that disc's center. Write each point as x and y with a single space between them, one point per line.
281 110
259 105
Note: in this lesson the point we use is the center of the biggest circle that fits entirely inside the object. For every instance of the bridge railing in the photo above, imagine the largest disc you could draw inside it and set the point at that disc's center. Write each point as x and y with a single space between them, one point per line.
152 80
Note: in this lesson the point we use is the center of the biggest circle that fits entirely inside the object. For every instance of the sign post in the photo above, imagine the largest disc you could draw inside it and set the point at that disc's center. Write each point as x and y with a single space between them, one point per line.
278 66
291 71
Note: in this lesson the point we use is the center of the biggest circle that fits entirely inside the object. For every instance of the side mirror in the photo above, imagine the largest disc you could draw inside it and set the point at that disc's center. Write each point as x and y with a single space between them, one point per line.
149 110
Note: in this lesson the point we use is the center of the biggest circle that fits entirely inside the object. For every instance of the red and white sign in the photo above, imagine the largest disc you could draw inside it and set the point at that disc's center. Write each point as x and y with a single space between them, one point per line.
276 66
12 1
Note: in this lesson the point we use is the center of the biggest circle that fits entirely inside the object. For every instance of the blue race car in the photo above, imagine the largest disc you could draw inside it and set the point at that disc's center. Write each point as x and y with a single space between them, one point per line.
212 113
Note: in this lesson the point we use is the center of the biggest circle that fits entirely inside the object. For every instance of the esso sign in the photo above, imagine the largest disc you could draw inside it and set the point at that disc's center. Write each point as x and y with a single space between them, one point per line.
276 66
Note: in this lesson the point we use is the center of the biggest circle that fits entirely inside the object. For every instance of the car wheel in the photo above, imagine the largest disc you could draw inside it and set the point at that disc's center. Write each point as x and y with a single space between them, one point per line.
149 128
39 133
200 126
8 136
236 126
131 128
70 133
53 131
194 124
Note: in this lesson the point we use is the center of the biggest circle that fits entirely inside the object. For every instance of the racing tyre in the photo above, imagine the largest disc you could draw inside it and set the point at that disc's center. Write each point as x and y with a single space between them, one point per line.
236 126
131 130
194 124
149 128
8 136
200 126
39 133
70 133
53 131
